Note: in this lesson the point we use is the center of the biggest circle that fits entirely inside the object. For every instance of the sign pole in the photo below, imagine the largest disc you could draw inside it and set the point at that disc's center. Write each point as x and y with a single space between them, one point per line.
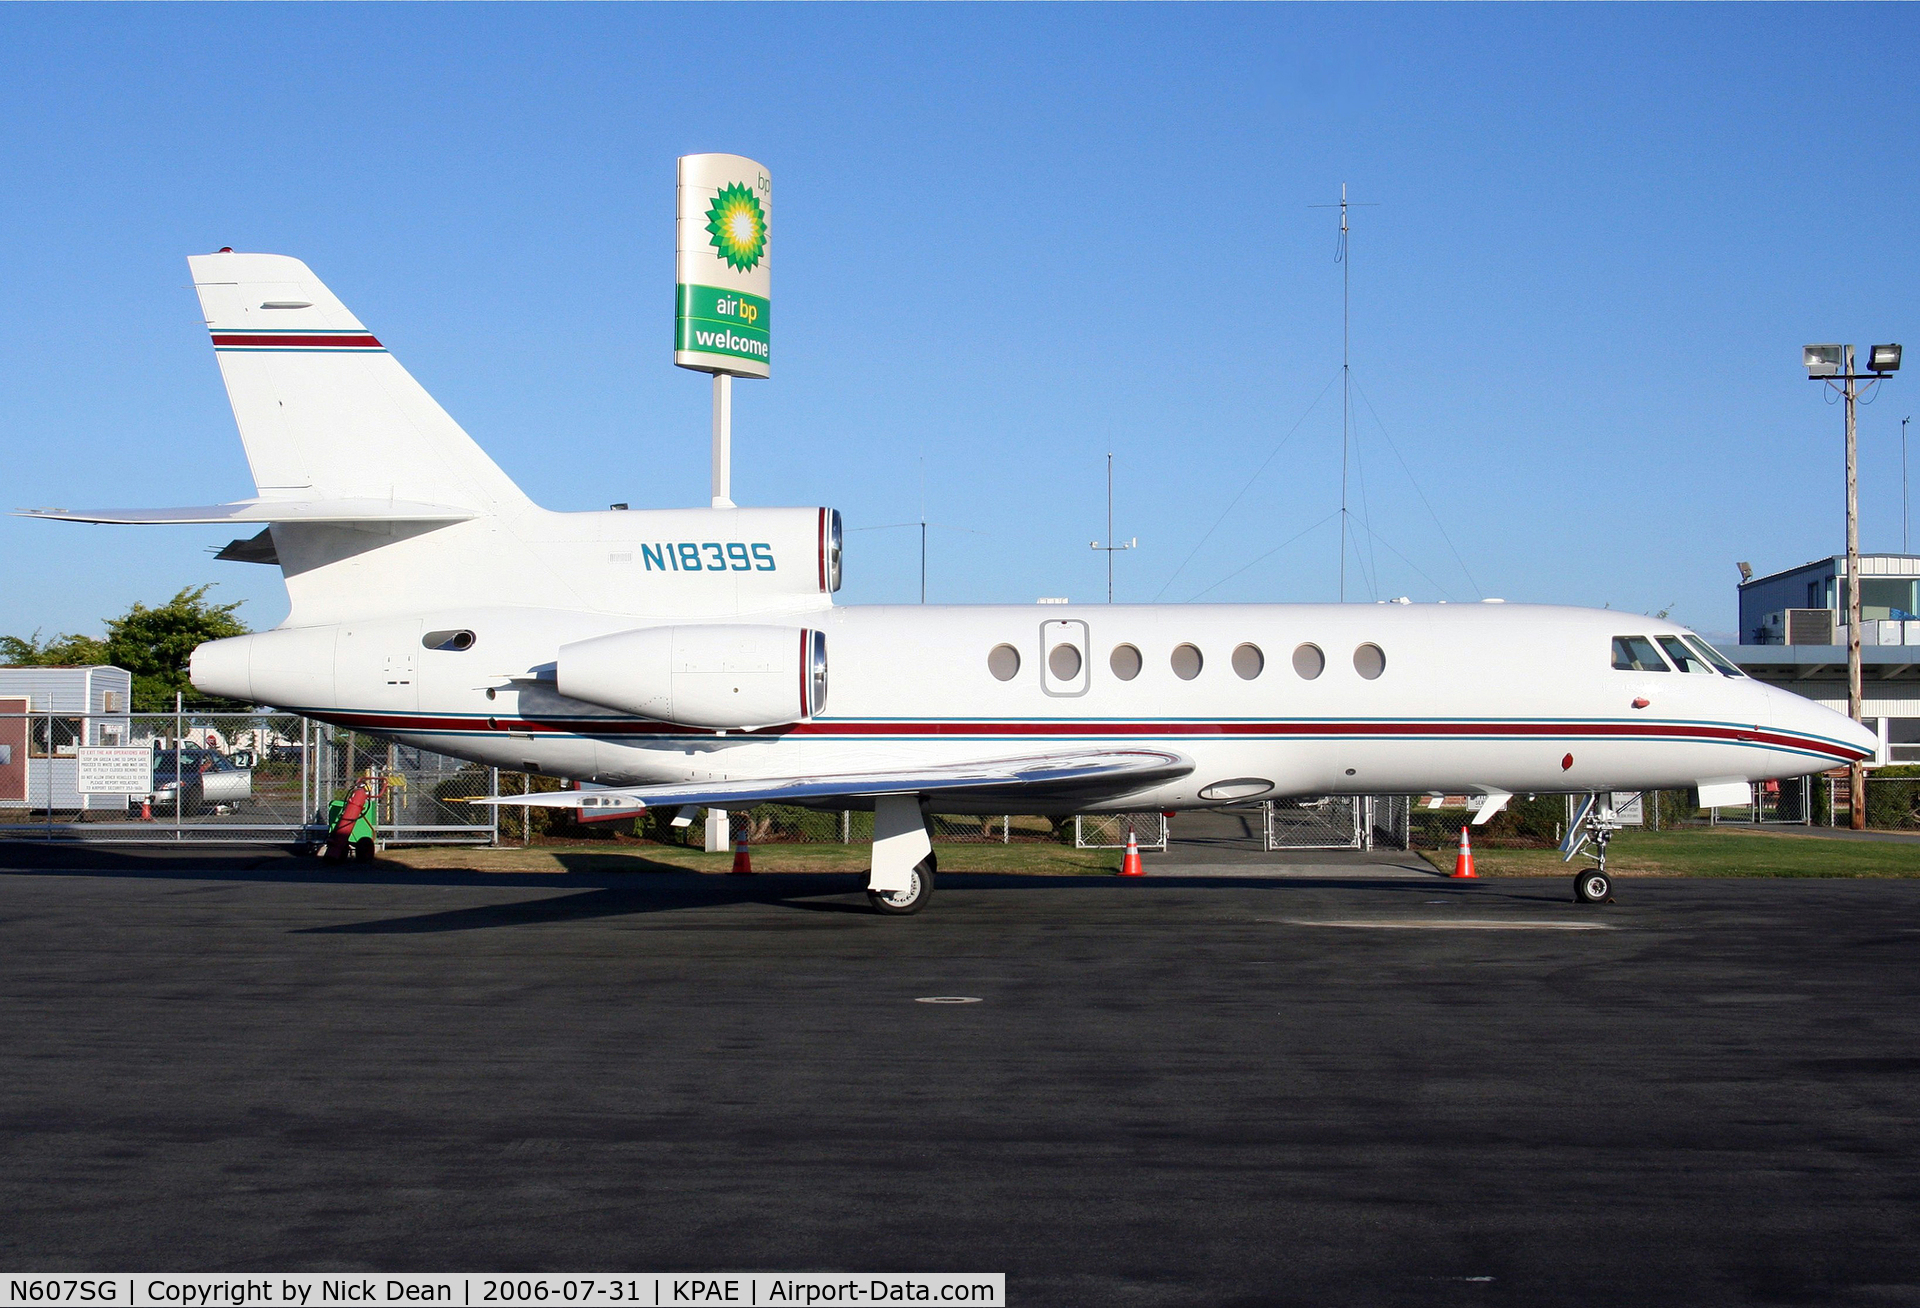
723 440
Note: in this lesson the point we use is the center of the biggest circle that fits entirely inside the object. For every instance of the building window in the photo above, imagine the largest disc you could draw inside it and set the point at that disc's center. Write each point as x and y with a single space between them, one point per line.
65 731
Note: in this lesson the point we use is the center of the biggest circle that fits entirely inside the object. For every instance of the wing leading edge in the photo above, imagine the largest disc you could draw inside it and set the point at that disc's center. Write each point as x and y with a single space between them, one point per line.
1053 780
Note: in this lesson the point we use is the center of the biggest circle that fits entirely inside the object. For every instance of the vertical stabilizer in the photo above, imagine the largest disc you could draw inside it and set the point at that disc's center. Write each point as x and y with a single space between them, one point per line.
324 411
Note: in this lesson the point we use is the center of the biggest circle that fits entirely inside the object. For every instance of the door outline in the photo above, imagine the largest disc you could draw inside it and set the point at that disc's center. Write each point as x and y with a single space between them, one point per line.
1053 632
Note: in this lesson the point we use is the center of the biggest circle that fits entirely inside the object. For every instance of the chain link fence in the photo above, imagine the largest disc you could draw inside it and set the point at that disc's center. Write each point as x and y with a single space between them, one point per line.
211 777
1109 830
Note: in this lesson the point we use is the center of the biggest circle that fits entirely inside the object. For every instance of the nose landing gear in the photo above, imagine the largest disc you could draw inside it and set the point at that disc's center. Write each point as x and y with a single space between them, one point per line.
1595 825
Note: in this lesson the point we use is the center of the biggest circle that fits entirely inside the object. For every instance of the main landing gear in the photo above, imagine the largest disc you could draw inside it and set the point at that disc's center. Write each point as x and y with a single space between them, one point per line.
899 903
901 881
1595 825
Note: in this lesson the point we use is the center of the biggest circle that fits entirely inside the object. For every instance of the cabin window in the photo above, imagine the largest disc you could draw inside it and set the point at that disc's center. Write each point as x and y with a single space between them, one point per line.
1125 662
1309 662
1248 662
453 640
1683 658
1370 661
1636 654
1064 662
1715 657
1004 662
1187 662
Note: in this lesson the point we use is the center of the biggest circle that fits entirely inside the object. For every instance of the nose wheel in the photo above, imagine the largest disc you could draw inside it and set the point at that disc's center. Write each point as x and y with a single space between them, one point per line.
1593 886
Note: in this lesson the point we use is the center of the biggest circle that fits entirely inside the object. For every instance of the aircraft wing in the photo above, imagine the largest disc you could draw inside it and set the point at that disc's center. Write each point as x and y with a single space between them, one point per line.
1055 780
335 510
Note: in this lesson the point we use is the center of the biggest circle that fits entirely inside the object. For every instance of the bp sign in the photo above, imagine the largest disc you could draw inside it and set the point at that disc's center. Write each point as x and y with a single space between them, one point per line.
720 319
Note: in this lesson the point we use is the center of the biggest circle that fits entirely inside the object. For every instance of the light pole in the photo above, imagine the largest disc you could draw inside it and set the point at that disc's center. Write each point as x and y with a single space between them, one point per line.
1905 516
1833 364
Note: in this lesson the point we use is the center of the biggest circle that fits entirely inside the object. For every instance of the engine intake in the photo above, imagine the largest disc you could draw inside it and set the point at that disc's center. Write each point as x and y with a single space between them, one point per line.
719 677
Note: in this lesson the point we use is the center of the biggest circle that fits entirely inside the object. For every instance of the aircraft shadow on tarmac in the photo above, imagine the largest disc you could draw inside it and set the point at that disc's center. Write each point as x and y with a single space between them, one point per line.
588 890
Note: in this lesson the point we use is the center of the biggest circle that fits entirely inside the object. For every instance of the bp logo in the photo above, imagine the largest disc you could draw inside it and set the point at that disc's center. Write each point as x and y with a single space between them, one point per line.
739 227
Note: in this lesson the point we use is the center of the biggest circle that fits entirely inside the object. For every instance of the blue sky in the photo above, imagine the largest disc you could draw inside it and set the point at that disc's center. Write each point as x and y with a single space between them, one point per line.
1007 239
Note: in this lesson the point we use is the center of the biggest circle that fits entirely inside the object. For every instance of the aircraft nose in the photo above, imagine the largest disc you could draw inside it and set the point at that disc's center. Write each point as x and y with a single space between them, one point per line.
1798 714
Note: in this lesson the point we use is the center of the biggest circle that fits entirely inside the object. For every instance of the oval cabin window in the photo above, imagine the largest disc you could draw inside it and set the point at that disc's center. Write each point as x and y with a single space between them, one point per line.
1004 662
1064 662
1369 661
1249 662
1125 662
1309 662
1187 662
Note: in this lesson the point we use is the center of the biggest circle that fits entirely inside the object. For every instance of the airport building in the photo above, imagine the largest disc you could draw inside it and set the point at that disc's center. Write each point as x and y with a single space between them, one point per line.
46 714
1793 634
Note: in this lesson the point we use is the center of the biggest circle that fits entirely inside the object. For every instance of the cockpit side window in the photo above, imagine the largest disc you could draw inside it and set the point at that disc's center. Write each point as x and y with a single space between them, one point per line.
1636 654
1715 657
1683 658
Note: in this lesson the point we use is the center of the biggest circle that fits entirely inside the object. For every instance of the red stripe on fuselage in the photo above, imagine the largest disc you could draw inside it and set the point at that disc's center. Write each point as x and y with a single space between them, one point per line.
298 341
961 730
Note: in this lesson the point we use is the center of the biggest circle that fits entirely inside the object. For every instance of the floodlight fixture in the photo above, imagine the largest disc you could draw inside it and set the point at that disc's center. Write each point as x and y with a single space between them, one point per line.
1824 360
1883 358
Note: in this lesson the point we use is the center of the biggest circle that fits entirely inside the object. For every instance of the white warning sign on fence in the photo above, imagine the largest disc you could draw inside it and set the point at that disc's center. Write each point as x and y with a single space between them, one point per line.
108 770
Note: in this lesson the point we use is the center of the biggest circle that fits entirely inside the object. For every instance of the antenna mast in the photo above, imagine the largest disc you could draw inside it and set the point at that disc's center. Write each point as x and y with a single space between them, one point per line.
1110 548
1346 385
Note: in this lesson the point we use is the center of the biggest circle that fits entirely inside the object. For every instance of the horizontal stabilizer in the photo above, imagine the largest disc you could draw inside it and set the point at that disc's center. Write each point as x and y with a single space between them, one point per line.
1083 777
258 510
251 549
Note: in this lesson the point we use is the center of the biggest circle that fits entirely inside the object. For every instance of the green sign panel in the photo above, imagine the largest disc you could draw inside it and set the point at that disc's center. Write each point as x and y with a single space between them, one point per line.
713 320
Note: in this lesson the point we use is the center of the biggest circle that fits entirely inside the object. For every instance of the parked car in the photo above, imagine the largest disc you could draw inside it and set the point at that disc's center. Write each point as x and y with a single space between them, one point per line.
207 779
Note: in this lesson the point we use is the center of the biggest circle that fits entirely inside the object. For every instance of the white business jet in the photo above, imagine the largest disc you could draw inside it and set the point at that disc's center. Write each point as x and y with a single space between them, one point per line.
680 657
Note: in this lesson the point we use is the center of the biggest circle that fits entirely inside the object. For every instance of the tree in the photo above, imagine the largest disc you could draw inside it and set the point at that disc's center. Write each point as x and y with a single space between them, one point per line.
64 651
155 644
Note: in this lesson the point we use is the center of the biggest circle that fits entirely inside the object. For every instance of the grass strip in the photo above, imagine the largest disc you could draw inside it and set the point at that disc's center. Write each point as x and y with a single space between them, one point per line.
1715 852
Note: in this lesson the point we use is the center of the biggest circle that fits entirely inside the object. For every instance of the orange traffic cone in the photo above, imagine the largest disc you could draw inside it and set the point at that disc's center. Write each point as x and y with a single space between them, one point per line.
146 808
1130 865
1463 861
742 864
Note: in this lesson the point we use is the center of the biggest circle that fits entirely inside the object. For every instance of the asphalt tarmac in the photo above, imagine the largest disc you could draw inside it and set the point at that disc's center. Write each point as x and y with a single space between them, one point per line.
1204 1091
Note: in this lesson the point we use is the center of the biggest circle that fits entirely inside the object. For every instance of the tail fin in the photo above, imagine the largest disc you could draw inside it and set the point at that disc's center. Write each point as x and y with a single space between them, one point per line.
324 411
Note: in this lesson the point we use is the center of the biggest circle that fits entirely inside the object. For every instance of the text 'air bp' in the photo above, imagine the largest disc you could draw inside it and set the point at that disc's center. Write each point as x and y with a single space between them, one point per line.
707 556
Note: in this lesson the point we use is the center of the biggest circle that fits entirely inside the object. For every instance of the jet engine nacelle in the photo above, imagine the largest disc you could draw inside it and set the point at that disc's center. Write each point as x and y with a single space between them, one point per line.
721 677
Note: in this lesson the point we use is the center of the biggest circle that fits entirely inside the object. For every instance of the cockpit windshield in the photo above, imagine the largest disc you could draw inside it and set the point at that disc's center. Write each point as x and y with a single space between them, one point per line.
1713 656
1683 655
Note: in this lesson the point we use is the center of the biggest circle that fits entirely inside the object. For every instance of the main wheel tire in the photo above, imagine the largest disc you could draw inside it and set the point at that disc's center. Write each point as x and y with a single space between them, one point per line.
1592 887
361 850
901 903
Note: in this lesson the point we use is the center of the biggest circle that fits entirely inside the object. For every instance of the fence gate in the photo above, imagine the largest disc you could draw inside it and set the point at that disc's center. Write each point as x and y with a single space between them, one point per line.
1109 830
1323 822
